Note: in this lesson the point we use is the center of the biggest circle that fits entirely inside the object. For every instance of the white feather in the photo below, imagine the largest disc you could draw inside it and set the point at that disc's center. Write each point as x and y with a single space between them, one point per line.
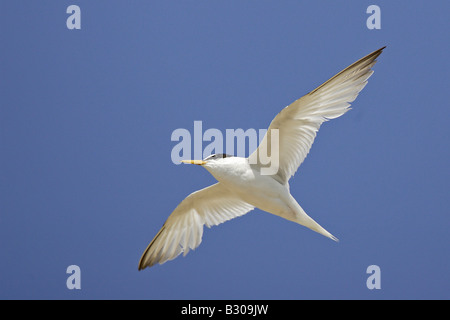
183 230
299 122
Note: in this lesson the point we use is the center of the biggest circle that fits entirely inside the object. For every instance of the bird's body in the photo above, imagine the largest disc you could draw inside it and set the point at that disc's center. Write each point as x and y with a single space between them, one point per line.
244 183
261 191
264 192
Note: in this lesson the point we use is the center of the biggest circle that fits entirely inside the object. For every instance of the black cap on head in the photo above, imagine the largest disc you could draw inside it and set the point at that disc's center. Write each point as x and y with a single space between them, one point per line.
217 156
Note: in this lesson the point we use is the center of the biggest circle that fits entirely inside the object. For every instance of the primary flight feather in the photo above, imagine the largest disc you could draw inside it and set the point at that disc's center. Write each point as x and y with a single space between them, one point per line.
242 184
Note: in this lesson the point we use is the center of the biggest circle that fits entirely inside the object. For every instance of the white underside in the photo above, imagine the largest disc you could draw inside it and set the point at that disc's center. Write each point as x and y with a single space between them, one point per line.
263 192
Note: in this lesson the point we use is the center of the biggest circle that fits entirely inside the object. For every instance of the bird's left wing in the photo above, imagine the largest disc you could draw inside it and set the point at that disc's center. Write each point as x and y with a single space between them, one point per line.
298 123
183 229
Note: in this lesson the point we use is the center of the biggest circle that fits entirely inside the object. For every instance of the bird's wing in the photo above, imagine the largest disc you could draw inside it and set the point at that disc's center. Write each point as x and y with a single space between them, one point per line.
183 229
299 122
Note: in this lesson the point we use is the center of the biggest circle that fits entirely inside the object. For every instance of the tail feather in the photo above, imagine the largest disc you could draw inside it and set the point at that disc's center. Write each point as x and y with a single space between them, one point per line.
307 221
298 215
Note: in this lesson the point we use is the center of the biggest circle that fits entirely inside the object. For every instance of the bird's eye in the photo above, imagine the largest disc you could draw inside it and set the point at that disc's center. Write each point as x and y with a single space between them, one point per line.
217 156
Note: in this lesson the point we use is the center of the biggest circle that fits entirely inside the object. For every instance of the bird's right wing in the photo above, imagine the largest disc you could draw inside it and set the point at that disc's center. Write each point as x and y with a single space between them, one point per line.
183 229
298 123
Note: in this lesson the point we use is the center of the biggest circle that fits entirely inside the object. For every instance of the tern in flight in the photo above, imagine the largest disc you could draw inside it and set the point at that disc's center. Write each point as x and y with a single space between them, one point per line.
242 186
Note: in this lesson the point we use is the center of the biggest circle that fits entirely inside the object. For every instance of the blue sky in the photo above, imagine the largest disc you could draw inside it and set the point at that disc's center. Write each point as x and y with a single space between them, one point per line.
86 118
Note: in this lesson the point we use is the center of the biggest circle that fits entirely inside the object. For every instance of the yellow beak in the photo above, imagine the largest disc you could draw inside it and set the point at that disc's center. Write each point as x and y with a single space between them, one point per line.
198 162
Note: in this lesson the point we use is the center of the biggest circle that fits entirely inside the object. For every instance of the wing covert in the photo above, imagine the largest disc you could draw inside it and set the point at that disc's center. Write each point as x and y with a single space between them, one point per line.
183 230
298 123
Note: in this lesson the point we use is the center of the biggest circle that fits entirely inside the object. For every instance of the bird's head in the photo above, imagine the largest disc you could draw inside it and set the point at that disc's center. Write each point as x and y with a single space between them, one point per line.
214 159
222 165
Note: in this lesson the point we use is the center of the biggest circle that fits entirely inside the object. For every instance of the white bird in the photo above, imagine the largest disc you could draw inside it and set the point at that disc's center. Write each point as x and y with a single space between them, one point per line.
241 184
